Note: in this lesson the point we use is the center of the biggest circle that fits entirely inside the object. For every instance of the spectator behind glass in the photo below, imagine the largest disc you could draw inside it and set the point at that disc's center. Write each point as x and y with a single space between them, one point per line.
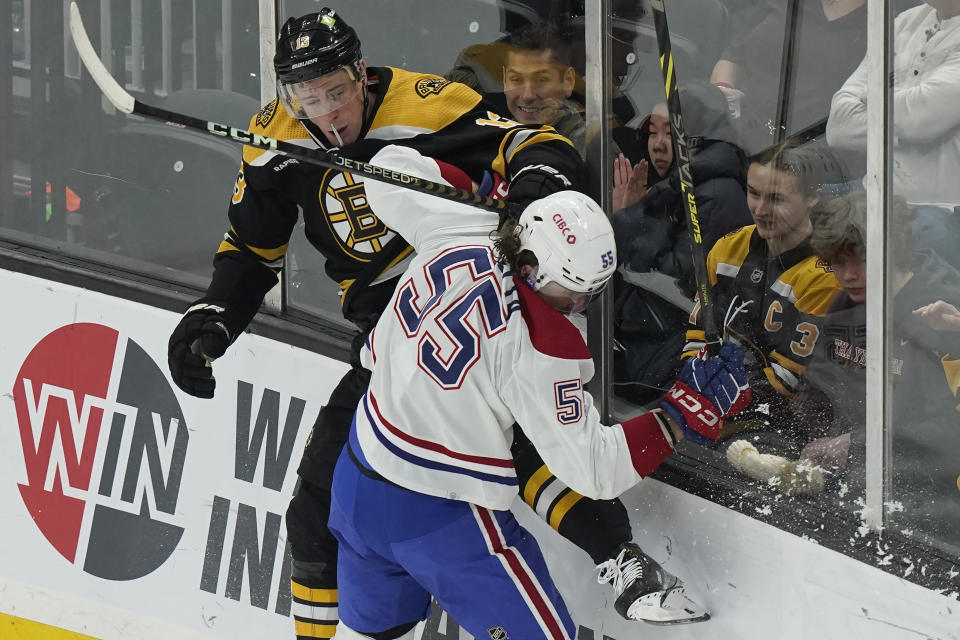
538 80
831 39
926 91
924 360
654 290
653 142
770 291
481 66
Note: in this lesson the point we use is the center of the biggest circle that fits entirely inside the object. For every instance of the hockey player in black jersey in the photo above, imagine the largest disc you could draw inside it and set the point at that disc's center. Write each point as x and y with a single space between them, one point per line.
328 98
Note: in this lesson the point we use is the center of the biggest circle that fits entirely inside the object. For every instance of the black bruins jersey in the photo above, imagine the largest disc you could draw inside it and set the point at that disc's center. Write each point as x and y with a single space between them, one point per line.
441 119
788 294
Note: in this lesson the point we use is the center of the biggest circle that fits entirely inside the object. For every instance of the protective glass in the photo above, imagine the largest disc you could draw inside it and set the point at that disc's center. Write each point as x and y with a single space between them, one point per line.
320 96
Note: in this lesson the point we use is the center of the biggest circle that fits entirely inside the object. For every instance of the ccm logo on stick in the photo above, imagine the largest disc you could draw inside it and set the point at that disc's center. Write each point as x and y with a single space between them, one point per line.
564 229
241 135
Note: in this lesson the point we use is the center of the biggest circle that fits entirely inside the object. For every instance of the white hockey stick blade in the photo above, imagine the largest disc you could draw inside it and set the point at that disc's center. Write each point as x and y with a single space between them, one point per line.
108 85
797 477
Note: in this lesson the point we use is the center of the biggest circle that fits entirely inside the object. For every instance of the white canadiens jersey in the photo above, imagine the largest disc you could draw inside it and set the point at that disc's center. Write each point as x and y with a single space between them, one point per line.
463 351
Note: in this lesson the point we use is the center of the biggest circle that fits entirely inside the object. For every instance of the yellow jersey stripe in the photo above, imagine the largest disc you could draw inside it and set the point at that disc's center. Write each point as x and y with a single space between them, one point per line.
534 483
544 135
313 630
225 246
269 254
400 258
563 505
312 595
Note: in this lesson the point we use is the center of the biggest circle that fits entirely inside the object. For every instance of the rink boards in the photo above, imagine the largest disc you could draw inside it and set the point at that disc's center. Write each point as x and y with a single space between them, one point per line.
132 510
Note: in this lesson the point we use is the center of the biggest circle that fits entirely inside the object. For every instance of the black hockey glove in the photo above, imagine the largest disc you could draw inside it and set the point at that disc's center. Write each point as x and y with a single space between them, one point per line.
201 337
535 181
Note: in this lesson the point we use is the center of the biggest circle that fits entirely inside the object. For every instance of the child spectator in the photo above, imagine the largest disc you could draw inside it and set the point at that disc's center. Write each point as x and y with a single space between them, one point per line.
923 361
654 290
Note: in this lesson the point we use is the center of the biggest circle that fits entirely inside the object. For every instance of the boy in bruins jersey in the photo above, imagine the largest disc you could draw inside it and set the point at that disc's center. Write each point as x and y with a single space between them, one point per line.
770 290
328 98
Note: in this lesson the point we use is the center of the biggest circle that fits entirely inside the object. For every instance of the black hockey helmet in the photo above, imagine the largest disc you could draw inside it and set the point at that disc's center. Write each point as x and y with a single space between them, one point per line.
314 45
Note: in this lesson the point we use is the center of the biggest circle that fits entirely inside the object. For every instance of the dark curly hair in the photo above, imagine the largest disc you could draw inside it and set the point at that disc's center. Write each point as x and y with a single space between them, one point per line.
506 245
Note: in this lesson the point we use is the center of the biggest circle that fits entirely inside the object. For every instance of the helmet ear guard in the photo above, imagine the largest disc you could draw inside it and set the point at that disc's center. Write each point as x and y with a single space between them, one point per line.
572 240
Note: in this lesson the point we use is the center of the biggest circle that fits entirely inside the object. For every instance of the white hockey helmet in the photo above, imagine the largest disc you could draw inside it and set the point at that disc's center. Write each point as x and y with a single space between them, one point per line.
572 240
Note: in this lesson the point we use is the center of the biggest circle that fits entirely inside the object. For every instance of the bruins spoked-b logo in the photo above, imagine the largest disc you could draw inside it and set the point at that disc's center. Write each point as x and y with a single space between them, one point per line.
352 222
104 443
427 86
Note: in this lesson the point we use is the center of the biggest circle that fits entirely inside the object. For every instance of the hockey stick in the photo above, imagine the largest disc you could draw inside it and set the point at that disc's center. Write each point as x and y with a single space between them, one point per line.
792 477
126 103
682 155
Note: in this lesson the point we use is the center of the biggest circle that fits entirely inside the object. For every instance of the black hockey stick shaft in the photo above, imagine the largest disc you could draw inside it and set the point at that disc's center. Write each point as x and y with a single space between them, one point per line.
682 154
125 102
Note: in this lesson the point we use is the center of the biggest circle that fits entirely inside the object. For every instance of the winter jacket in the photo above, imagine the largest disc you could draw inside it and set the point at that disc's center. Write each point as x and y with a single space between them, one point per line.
925 373
652 238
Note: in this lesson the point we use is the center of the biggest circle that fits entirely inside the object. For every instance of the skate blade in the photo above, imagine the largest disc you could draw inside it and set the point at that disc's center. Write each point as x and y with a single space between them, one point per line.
670 606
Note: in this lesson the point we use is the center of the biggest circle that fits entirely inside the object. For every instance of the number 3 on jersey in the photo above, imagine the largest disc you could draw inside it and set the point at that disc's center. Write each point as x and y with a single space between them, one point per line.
447 328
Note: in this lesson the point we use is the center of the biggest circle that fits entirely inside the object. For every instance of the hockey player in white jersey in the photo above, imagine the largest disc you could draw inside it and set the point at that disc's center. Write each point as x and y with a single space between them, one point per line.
474 339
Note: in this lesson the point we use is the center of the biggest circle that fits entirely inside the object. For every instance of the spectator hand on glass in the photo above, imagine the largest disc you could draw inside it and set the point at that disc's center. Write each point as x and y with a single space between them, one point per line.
629 182
733 96
940 316
829 453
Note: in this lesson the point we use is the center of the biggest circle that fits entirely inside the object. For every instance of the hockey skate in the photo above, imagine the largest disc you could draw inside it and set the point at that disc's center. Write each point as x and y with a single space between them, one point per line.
645 591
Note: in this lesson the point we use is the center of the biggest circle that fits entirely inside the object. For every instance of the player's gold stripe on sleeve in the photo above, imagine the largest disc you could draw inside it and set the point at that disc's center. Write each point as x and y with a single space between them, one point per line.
563 505
269 254
544 135
534 483
400 258
225 246
499 163
693 335
344 286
